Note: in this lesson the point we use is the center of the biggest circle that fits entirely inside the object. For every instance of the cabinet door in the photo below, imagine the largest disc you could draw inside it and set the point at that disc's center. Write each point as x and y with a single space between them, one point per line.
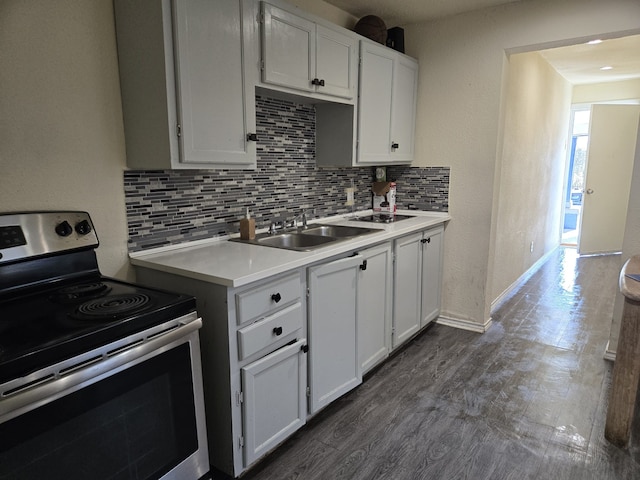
216 107
334 368
336 62
274 407
375 280
431 274
374 107
403 116
288 49
408 288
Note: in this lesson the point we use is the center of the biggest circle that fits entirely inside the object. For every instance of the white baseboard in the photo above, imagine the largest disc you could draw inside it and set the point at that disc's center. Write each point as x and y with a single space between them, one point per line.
609 354
522 279
464 324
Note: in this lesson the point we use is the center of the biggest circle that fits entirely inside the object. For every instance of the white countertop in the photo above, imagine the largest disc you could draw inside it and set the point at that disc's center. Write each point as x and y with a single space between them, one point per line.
235 264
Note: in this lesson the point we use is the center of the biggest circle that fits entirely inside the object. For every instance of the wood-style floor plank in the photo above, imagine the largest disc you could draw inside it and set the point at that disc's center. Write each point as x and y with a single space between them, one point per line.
525 400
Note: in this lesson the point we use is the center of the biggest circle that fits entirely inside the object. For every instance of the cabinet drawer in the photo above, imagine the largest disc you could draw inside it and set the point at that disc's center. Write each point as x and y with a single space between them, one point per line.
262 300
262 334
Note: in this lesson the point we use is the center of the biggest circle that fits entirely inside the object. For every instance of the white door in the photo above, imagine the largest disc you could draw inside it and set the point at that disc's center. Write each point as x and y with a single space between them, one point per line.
407 296
403 119
431 274
216 105
612 142
288 49
274 390
334 368
375 285
374 107
337 62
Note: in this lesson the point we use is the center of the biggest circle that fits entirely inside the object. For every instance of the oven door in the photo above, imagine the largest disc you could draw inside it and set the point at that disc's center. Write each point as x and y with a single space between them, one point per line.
130 410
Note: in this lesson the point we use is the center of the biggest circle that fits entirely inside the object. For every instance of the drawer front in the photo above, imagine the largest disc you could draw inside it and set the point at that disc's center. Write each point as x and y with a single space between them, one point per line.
268 331
261 301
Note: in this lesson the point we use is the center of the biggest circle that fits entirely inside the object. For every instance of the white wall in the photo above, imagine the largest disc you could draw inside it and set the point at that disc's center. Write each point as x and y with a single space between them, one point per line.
460 101
61 133
531 173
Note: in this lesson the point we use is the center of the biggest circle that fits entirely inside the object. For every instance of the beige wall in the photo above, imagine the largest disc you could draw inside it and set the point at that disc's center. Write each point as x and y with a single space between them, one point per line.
625 90
61 134
532 170
326 11
459 120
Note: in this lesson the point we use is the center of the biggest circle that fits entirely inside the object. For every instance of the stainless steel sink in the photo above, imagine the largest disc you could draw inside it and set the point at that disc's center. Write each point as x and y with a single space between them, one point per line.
308 238
294 241
338 231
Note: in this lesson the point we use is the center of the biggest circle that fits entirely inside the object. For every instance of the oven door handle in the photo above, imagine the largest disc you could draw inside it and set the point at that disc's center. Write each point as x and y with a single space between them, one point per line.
75 373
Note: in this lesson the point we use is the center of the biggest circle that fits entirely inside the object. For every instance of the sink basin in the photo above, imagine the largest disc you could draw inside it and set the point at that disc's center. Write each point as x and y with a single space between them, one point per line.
304 239
337 231
294 241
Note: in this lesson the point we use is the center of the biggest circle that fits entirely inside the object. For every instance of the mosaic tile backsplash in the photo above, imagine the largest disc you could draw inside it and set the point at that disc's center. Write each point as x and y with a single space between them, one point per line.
175 206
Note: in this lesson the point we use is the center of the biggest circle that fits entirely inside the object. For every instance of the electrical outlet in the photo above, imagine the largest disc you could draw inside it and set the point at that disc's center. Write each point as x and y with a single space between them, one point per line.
531 247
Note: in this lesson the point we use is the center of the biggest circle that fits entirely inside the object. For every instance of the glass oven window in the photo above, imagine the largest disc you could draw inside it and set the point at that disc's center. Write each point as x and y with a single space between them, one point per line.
137 424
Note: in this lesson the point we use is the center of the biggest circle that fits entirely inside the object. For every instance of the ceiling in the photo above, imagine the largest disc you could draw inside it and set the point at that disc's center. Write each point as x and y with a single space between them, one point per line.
578 64
581 64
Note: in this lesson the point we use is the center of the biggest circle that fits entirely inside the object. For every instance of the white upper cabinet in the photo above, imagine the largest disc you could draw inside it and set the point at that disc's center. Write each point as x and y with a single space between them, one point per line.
382 132
387 106
300 54
374 114
403 109
336 63
181 109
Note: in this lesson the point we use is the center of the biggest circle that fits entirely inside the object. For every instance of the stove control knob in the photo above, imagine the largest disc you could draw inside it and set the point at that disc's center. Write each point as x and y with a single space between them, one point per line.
64 229
83 227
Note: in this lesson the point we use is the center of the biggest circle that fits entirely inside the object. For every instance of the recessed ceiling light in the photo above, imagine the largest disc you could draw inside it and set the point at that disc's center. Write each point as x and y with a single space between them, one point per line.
594 42
606 67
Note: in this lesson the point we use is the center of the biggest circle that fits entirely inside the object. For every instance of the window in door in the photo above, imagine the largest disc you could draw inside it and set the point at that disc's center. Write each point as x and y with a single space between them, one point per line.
575 179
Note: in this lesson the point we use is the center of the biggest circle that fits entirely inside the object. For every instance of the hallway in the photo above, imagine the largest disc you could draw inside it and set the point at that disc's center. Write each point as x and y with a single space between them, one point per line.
526 400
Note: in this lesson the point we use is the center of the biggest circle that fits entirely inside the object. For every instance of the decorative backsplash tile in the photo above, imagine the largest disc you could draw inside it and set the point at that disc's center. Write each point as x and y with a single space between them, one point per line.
175 206
425 188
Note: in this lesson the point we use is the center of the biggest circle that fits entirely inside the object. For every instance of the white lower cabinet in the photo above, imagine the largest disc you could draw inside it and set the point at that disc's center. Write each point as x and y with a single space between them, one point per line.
274 403
374 300
432 243
280 349
334 367
407 273
417 274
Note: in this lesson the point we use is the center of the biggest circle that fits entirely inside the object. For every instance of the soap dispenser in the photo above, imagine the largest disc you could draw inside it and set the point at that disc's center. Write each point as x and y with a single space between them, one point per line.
247 227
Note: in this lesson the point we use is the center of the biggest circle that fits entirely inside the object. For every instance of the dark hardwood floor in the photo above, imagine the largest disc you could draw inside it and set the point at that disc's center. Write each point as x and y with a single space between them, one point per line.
526 400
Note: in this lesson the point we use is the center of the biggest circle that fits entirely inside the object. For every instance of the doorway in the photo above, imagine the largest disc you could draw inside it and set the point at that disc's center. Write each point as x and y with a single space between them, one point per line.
576 168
